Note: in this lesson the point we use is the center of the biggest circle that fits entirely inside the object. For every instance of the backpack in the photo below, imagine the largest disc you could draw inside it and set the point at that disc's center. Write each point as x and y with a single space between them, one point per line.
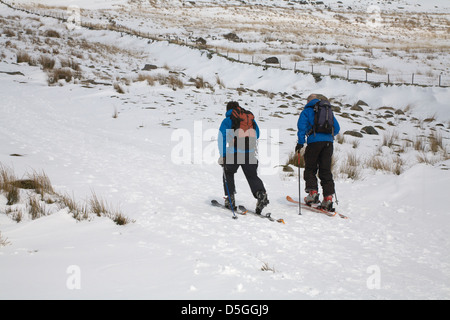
244 129
323 118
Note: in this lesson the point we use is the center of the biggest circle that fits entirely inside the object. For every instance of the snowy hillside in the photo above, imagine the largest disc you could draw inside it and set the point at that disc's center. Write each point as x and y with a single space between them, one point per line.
77 105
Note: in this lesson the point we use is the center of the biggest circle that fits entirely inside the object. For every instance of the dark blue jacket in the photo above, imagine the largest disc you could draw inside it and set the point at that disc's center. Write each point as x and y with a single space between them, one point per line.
306 122
226 136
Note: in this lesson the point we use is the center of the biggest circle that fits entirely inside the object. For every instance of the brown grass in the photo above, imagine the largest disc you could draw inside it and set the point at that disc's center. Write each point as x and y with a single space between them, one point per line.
3 240
40 194
351 167
23 56
293 159
59 74
46 62
7 185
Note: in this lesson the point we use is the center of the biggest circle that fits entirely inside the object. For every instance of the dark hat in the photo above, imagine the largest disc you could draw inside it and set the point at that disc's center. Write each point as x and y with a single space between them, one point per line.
232 105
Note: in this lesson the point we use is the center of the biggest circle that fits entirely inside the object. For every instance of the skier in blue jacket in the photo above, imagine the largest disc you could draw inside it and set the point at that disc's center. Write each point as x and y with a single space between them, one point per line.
318 155
233 156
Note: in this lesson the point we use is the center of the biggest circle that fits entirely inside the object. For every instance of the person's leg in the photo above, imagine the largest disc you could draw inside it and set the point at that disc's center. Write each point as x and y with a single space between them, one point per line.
251 174
250 169
312 152
230 170
325 174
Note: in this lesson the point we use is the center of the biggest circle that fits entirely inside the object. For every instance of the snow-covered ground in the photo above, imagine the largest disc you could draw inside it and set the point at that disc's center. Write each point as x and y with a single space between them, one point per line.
156 161
389 41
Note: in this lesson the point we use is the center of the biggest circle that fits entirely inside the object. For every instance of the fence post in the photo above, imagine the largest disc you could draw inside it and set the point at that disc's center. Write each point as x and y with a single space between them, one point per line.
412 80
389 81
440 80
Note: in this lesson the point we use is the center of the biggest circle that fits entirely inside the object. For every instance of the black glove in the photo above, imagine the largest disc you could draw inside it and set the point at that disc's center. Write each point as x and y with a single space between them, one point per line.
298 147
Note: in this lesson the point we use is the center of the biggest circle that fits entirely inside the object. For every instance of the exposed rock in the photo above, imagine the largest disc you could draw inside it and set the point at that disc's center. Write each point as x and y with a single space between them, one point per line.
232 37
357 107
200 41
354 134
369 130
149 67
272 60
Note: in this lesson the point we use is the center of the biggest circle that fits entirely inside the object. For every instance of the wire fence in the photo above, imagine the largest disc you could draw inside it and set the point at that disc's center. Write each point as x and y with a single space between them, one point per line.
350 73
366 75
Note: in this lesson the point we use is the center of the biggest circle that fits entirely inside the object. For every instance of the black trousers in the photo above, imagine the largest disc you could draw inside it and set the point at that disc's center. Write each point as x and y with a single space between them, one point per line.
249 165
318 158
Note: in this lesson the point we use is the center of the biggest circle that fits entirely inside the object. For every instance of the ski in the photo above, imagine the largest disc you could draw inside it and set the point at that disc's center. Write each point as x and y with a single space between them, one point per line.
244 210
317 209
216 203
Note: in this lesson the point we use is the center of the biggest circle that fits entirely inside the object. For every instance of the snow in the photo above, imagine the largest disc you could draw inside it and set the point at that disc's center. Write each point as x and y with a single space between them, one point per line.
157 162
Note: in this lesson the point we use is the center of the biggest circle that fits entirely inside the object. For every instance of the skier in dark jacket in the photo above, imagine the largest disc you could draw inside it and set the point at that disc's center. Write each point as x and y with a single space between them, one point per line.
318 155
232 156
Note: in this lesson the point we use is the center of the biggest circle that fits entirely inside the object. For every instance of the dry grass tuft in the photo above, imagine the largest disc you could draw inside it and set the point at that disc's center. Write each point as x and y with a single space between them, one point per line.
24 57
8 186
351 167
41 195
46 62
294 159
101 208
3 241
266 267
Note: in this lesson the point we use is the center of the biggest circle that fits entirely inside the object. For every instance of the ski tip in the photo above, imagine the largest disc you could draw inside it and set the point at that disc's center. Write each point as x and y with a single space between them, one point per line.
281 221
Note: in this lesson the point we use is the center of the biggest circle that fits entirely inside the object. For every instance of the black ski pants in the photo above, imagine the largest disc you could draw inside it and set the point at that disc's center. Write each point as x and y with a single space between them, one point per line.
249 165
318 158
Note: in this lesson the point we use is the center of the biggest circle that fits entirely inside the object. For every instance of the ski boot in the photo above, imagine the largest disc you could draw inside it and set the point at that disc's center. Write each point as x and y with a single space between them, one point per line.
312 197
262 201
327 204
231 206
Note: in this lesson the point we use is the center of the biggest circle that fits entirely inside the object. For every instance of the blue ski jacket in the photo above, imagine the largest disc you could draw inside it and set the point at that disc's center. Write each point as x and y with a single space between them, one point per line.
306 122
226 137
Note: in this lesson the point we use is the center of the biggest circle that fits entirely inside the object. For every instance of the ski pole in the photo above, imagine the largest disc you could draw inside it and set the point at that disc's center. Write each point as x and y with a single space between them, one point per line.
228 192
299 188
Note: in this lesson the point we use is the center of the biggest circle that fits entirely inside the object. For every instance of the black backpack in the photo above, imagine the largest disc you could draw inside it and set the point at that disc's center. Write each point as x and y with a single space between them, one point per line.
323 118
244 129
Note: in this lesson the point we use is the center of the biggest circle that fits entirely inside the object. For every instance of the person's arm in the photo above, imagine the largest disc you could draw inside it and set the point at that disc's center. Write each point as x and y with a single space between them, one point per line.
337 127
303 127
256 129
222 137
